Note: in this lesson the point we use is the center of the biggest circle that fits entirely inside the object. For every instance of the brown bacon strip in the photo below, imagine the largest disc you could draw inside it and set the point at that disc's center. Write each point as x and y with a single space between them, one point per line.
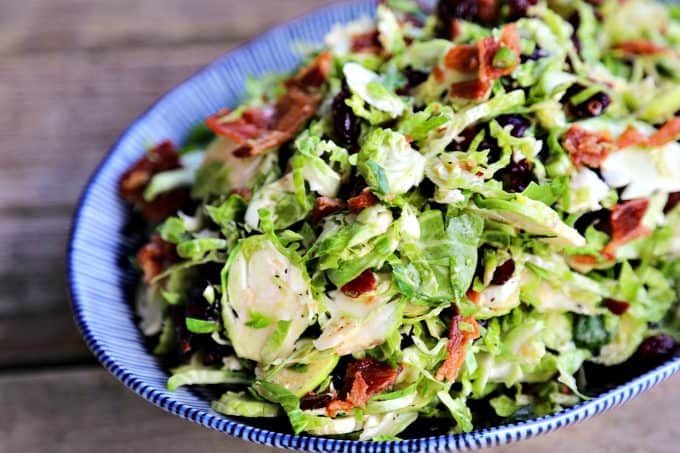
626 221
489 47
325 206
587 148
156 256
640 47
364 283
363 379
669 132
133 182
630 137
470 89
366 42
462 58
364 200
459 340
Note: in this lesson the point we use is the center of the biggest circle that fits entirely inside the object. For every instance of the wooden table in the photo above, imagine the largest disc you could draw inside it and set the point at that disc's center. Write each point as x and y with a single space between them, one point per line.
73 74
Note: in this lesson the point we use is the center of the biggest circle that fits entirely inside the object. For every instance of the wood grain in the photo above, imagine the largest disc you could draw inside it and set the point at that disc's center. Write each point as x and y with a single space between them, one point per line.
105 417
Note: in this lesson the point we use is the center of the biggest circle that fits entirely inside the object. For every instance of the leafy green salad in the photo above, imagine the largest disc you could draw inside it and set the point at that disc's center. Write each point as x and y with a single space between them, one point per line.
443 220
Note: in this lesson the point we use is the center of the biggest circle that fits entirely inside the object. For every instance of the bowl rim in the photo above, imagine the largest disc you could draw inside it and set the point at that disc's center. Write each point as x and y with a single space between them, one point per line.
493 436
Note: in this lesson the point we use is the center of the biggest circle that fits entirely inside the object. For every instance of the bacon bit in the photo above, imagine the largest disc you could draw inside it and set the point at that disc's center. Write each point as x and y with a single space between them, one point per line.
488 47
617 307
473 296
672 202
315 74
630 137
640 47
438 74
246 194
366 42
250 125
363 379
669 132
626 220
470 89
362 201
457 347
364 283
133 182
587 148
325 206
156 256
487 10
585 260
462 58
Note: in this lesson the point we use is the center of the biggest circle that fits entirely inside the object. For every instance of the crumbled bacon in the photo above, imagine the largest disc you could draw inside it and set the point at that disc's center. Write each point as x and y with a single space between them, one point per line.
362 201
459 340
630 137
669 132
259 130
462 58
366 42
156 256
617 307
246 194
325 206
626 220
640 47
587 148
363 379
473 295
133 182
364 283
584 260
489 47
470 89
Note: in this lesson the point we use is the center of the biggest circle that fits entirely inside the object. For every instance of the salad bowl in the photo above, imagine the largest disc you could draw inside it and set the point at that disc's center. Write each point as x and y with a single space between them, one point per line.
100 285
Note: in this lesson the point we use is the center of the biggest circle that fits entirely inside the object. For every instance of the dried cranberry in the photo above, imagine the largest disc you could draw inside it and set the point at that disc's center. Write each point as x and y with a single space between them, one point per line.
449 10
593 106
345 123
503 273
617 307
519 124
519 8
316 400
600 219
517 176
536 54
213 353
672 202
414 77
656 348
364 283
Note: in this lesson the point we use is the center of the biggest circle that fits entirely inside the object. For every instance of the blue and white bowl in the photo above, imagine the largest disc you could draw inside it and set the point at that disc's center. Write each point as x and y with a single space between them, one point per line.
98 282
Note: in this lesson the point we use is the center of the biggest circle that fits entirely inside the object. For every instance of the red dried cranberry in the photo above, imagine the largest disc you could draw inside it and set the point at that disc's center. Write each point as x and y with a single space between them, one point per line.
592 107
600 220
364 283
672 202
536 54
656 348
345 123
519 124
503 273
517 176
316 400
449 10
414 77
617 307
519 8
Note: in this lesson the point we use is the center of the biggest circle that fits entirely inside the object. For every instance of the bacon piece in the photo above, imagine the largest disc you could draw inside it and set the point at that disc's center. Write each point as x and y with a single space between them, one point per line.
462 58
640 47
587 148
470 89
156 256
315 74
630 137
364 283
585 260
250 125
246 194
366 42
669 132
617 307
489 47
626 220
133 182
459 340
363 379
473 296
364 200
325 206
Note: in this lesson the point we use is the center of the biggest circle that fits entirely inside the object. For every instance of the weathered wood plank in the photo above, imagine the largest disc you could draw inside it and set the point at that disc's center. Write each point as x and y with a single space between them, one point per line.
45 25
85 410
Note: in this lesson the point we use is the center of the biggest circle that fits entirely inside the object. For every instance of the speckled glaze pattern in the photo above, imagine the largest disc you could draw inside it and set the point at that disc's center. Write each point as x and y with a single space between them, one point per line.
97 280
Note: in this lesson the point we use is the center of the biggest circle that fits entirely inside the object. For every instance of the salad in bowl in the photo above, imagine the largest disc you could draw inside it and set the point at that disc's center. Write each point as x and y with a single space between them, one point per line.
442 220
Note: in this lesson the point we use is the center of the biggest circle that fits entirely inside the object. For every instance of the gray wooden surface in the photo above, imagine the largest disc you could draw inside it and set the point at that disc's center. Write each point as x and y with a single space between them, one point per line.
73 74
